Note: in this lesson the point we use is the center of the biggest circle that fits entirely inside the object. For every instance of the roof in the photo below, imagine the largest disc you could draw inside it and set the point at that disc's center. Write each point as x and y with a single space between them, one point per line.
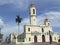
32 5
46 19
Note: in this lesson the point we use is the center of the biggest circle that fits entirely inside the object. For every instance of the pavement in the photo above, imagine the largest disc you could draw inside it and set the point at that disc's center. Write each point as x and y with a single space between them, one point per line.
31 44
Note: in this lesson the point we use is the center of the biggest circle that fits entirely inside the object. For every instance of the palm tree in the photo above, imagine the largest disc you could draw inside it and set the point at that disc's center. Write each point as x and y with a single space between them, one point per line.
18 20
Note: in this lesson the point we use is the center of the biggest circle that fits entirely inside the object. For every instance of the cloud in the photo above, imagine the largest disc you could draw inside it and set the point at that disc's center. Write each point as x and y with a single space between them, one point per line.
54 18
10 28
1 23
21 4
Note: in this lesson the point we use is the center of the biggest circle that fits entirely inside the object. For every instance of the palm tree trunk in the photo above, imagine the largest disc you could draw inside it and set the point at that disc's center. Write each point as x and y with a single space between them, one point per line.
18 29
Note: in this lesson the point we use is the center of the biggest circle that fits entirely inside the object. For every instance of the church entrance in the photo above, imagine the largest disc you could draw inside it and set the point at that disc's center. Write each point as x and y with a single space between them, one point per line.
50 38
35 39
43 38
59 40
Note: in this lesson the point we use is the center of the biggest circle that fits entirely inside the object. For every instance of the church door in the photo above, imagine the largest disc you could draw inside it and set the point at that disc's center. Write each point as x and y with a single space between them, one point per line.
35 39
43 38
59 40
50 39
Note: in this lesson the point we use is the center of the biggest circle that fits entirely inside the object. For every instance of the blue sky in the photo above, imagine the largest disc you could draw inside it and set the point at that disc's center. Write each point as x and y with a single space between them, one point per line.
10 8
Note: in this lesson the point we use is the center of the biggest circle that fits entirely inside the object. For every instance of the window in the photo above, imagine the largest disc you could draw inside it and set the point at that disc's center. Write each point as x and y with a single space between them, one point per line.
33 11
28 29
42 30
55 38
48 24
29 39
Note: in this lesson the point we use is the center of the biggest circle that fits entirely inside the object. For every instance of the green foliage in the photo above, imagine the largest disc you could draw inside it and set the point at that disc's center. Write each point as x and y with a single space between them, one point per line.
18 19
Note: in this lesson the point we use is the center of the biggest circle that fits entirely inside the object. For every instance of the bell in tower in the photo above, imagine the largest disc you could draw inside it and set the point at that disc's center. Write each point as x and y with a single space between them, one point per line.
32 9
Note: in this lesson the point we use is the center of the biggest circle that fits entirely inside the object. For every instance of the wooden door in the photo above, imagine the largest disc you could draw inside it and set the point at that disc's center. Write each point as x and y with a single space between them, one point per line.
59 40
43 38
50 38
35 39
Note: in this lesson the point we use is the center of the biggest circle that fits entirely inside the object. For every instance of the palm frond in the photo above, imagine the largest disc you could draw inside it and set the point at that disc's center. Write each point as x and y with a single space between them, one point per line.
18 19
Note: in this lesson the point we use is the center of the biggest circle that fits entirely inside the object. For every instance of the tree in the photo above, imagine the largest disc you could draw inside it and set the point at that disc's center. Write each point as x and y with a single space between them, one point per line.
18 20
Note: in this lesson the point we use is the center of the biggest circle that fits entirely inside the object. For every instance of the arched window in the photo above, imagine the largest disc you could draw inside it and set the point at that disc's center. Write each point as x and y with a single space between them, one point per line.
33 11
29 39
42 30
28 29
48 24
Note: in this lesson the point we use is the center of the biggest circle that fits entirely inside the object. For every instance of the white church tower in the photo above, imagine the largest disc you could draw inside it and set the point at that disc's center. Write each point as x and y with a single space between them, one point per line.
32 14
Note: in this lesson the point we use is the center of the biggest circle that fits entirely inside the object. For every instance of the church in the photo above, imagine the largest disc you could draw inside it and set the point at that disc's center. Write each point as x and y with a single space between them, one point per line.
34 33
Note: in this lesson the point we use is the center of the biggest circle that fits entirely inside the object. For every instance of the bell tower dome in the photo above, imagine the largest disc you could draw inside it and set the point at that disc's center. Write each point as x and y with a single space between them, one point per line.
32 14
46 22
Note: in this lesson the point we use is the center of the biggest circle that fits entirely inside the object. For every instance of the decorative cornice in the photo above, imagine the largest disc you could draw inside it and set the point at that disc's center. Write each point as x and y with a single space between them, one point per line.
33 15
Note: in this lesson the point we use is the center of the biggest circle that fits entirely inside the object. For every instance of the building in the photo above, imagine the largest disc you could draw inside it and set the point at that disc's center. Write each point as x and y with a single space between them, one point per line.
34 33
11 38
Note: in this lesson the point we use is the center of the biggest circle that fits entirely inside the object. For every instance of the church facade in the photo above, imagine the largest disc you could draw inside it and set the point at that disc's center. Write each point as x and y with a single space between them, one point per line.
34 33
39 33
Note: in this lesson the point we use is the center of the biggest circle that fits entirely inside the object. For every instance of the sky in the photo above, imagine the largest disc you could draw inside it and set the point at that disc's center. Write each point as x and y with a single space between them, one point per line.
45 8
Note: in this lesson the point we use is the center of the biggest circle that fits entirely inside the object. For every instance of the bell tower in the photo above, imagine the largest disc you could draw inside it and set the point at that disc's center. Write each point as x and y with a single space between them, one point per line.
32 14
46 22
